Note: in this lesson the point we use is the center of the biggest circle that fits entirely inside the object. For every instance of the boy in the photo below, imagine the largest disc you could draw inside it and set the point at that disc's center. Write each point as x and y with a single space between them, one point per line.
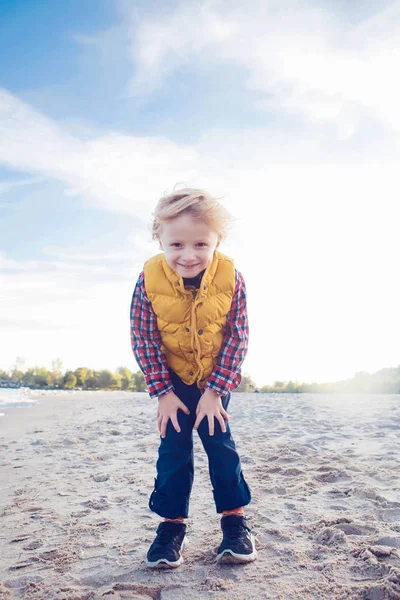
189 336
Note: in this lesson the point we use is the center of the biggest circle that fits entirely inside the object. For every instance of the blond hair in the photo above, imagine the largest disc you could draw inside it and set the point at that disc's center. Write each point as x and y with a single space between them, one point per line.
195 202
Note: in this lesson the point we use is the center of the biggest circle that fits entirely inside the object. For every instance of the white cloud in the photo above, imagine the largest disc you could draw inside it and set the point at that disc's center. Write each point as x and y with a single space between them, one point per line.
112 171
308 61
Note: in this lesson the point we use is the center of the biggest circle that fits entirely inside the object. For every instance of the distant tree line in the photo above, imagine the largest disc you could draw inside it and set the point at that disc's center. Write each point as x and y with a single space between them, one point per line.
385 381
82 378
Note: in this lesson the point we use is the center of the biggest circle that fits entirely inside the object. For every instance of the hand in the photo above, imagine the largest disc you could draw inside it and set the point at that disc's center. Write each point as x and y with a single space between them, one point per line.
210 406
168 406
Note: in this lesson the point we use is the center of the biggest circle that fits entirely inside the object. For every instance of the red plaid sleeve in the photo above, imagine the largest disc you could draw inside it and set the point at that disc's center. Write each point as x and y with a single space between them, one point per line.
226 375
146 342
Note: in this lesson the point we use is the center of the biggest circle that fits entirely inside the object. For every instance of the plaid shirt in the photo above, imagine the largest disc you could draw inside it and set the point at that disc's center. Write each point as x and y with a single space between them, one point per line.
146 343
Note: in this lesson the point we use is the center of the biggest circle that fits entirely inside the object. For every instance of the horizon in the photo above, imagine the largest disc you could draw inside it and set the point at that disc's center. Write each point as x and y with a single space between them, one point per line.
60 368
104 108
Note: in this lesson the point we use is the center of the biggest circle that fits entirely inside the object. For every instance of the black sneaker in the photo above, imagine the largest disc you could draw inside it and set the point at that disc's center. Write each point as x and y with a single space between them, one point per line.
166 550
238 542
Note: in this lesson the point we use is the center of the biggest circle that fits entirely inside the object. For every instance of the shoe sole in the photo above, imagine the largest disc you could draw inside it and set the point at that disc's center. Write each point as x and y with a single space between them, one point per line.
228 556
163 563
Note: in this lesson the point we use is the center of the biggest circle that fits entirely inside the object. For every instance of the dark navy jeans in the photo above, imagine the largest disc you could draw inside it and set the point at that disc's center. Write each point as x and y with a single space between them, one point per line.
175 468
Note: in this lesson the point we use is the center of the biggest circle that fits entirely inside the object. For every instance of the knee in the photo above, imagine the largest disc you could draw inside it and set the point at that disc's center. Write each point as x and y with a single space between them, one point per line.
219 436
174 440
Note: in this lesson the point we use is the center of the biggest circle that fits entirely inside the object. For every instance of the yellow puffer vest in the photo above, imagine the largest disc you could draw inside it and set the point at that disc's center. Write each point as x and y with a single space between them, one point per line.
191 325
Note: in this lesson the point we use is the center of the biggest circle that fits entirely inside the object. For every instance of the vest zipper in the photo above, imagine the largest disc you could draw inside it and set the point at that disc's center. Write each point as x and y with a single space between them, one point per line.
196 346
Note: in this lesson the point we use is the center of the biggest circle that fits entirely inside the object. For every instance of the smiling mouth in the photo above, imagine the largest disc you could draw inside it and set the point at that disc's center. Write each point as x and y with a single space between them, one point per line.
189 266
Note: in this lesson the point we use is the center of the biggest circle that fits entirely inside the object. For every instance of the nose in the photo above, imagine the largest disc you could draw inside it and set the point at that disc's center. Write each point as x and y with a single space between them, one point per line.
188 253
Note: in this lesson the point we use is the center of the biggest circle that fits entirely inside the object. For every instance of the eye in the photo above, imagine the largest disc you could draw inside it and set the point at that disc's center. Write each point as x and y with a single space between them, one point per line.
202 244
176 245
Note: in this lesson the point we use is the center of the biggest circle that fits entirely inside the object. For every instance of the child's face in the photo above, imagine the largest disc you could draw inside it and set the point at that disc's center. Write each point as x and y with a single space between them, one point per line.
188 244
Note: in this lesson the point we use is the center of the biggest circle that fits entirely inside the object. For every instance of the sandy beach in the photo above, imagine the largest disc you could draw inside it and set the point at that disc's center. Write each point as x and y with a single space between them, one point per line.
77 470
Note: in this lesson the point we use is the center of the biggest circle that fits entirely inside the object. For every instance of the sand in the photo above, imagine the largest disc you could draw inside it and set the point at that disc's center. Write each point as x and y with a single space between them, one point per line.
77 470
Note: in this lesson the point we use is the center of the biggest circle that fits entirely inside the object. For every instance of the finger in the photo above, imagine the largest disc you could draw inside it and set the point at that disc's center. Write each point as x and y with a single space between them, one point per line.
224 414
210 424
174 421
200 417
221 421
184 408
163 430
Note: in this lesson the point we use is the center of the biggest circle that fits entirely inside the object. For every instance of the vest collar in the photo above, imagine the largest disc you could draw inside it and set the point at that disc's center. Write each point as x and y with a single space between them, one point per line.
177 280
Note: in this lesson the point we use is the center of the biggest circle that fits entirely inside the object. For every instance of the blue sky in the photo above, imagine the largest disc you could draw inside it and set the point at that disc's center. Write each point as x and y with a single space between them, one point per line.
82 47
286 110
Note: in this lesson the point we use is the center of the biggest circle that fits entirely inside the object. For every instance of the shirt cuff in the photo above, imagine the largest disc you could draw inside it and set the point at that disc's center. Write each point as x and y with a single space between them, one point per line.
223 381
158 383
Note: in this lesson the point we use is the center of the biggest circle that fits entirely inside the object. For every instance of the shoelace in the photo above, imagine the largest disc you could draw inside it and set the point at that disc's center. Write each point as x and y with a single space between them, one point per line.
235 530
167 533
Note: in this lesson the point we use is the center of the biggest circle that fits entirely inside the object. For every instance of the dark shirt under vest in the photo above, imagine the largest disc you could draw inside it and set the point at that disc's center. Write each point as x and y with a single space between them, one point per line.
194 281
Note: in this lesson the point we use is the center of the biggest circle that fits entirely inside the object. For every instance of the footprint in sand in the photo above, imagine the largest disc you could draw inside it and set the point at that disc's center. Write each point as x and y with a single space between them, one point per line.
33 545
393 542
355 529
381 591
389 515
101 504
292 472
273 535
331 476
382 551
101 478
329 536
80 513
19 584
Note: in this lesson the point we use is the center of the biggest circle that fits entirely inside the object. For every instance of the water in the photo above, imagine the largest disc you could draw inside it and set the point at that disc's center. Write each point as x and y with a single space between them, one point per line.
10 398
